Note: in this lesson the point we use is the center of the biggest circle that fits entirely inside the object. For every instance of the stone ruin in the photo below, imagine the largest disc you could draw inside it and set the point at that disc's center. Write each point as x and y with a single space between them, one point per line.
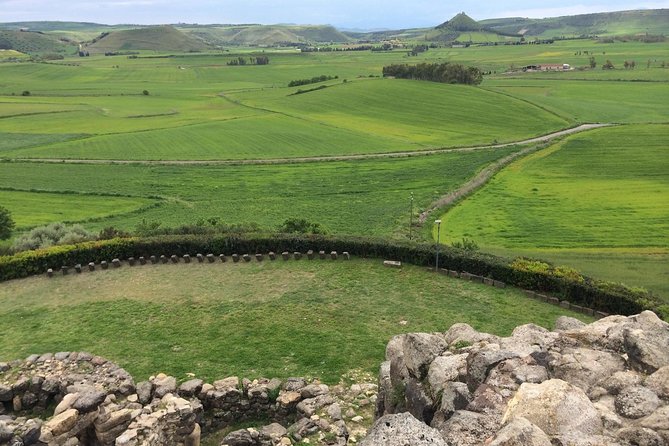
603 384
71 399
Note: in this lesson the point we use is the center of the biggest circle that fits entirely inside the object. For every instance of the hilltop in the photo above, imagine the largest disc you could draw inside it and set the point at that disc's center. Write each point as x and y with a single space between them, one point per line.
464 28
154 38
34 42
266 34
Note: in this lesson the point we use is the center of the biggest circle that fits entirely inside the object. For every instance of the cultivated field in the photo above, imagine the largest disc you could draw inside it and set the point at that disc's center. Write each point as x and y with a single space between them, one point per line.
598 201
280 319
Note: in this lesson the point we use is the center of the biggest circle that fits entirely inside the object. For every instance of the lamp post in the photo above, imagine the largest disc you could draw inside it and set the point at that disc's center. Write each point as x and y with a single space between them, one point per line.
411 216
436 266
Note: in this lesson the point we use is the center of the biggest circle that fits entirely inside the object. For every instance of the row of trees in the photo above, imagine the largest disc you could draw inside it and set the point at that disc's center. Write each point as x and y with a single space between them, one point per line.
259 60
448 73
313 80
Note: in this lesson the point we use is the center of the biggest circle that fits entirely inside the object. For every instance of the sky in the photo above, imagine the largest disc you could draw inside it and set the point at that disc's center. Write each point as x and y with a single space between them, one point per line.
350 14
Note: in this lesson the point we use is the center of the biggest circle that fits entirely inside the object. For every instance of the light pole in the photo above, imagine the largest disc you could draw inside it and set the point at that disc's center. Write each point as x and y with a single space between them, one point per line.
411 216
436 266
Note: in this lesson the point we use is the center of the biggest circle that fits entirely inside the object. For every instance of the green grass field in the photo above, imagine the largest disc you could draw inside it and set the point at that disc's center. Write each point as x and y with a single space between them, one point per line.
318 318
596 196
346 197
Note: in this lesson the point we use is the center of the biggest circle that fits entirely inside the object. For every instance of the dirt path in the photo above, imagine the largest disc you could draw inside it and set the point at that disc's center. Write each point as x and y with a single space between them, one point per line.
543 138
482 177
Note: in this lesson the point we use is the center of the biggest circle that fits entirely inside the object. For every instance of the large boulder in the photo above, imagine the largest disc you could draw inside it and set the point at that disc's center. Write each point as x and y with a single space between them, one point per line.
520 432
636 402
658 382
419 350
648 350
556 407
584 367
444 369
467 428
401 430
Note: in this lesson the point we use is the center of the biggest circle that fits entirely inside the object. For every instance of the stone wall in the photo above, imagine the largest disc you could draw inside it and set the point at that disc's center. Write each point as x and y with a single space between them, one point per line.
606 383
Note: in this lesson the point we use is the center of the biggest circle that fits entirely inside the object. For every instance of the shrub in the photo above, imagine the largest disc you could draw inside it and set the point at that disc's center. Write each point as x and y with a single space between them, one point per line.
25 93
51 235
6 223
300 226
145 92
466 244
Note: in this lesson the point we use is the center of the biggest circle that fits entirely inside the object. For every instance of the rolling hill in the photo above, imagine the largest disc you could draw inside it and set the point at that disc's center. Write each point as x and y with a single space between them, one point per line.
153 38
34 43
267 34
652 21
464 28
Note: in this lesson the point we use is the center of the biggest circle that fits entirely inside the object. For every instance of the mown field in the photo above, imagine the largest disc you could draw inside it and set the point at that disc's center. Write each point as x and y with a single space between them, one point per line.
598 201
306 318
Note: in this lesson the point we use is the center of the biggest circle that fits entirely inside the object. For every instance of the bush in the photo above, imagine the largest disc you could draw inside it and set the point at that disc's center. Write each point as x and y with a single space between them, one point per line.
25 93
145 92
466 244
6 223
300 226
51 235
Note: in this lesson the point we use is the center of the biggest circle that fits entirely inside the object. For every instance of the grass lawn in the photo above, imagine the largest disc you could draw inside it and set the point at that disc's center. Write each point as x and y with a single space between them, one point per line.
604 193
306 318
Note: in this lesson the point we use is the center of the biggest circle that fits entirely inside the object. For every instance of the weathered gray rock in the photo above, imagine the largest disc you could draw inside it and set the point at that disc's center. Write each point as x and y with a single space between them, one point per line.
62 423
89 399
444 369
646 342
418 402
144 392
459 335
479 364
520 432
556 407
584 367
658 382
163 385
564 323
309 406
636 402
639 436
242 437
401 430
658 420
467 428
314 390
419 350
455 396
620 380
191 387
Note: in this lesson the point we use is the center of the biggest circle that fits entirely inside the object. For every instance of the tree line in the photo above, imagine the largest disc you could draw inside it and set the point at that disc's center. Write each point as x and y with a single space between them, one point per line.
258 60
313 80
448 73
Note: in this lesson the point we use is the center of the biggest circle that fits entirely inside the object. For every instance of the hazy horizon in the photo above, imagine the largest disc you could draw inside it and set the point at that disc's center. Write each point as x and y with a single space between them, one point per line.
346 14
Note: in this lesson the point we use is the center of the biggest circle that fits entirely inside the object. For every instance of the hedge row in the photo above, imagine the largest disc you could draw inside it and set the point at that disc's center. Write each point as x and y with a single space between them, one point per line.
593 294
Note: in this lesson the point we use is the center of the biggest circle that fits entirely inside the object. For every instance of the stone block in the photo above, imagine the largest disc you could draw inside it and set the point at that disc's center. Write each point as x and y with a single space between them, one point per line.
164 259
200 258
153 259
142 261
601 314
392 263
285 255
321 254
77 268
235 258
223 258
297 255
310 255
104 264
49 272
65 270
210 258
333 255
553 300
246 257
259 257
498 284
488 281
453 274
565 304
116 263
346 255
131 261
186 258
174 258
272 255
91 266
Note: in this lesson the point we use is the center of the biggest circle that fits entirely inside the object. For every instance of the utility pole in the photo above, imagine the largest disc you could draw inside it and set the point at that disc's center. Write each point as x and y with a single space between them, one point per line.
411 216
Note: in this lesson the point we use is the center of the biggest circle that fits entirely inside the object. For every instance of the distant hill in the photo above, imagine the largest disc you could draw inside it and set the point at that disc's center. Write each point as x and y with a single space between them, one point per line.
461 22
34 43
463 28
267 34
653 21
153 38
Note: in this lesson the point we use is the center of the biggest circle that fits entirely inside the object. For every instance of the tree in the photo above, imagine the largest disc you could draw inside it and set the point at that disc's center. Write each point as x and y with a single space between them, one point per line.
608 65
593 62
6 223
145 92
300 226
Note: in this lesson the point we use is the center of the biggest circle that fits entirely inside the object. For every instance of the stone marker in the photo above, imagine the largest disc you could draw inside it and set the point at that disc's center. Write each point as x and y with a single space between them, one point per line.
321 254
392 263
452 273
223 258
272 256
153 259
333 255
310 254
285 255
259 257
553 300
499 284
235 258
49 272
246 257
211 258
131 261
142 261
163 259
174 258
77 268
297 255
65 270
91 266
186 258
346 255
601 314
565 304
104 264
116 263
488 281
200 258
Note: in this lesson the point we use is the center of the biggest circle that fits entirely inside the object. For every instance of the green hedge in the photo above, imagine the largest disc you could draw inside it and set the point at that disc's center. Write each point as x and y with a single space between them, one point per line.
600 296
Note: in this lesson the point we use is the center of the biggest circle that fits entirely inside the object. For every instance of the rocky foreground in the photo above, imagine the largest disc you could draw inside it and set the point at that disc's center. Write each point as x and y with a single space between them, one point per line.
606 383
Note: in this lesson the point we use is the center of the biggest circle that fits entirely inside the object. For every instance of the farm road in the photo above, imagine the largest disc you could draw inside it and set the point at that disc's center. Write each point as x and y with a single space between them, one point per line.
539 139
